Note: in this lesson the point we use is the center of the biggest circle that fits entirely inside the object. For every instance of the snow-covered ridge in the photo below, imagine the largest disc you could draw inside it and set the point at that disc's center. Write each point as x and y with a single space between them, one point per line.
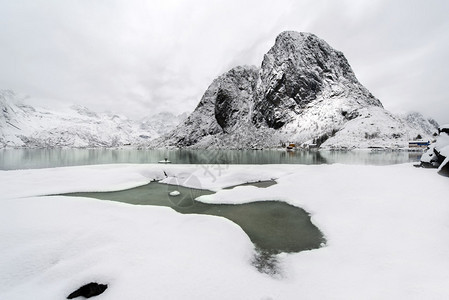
22 125
305 91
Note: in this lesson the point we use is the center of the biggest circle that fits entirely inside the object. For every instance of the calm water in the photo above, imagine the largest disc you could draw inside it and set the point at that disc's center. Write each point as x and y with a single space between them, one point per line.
44 158
272 226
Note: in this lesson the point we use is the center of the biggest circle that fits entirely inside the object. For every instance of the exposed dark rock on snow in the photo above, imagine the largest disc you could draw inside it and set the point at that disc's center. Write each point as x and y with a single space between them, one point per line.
89 290
304 91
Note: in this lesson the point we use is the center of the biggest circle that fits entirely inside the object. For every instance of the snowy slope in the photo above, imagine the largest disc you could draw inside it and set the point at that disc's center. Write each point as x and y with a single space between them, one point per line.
366 127
22 125
161 123
304 91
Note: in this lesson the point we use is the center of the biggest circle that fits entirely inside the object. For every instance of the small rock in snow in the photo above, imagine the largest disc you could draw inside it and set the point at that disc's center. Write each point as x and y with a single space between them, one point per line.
89 290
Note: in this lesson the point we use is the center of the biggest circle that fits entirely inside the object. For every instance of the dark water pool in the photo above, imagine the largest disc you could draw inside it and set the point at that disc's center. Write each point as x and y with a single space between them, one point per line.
273 226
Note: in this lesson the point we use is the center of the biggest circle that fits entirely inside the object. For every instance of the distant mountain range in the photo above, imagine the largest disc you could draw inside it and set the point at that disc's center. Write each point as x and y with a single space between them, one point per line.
22 125
305 92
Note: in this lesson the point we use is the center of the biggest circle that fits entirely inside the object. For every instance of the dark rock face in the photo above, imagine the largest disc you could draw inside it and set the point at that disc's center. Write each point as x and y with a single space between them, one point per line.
226 103
223 108
89 290
234 96
299 68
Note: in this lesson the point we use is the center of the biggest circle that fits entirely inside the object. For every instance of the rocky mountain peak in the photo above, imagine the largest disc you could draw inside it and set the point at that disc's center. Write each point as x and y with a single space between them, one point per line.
301 50
305 91
299 69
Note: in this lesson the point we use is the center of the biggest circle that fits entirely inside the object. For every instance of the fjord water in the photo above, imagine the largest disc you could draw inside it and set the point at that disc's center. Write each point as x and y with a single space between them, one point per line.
11 159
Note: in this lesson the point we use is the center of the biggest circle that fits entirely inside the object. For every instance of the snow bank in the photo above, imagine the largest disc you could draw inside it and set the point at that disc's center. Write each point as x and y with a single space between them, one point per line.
102 178
386 231
53 245
438 152
442 144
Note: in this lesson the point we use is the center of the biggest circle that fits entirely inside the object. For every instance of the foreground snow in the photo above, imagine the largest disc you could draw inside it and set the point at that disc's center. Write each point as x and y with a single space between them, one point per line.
386 231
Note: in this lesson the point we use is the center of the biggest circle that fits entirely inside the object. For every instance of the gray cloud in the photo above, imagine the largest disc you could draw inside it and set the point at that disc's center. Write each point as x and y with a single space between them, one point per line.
140 57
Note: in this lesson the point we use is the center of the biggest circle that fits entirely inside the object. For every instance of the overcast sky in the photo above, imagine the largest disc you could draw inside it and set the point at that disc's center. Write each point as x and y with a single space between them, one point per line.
140 57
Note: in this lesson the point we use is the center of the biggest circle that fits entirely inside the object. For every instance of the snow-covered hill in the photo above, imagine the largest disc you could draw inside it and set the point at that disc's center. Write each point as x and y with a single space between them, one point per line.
161 123
22 125
304 92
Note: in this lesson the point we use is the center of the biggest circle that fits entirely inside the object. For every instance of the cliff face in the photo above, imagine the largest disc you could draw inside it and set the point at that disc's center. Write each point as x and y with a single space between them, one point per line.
225 107
305 91
234 97
298 69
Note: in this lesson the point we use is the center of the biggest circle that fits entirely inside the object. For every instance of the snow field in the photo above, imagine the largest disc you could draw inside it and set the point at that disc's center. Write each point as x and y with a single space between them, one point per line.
386 230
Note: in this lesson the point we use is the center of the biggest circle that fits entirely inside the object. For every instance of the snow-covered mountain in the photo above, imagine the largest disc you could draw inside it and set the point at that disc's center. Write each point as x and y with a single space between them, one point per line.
22 125
162 123
304 92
